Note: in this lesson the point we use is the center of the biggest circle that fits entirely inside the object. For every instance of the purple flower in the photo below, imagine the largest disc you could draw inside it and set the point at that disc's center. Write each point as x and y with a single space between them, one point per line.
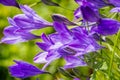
79 1
116 3
97 3
30 20
107 26
68 44
62 19
116 9
21 26
23 70
9 3
77 13
14 34
89 12
76 79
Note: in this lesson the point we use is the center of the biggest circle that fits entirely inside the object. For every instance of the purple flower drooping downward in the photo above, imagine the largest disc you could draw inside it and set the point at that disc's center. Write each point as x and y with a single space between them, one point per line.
116 3
21 26
30 20
87 11
68 44
23 70
107 26
14 34
116 9
9 3
97 3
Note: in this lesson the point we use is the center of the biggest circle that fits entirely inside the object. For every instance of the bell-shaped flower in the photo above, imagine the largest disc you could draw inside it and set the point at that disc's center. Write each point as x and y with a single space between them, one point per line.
9 3
116 3
107 26
23 70
97 3
68 44
30 20
89 12
14 34
62 19
21 26
116 9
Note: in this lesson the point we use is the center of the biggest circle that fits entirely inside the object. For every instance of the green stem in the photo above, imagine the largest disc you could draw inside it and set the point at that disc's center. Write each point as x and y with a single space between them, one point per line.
112 56
101 44
114 15
32 5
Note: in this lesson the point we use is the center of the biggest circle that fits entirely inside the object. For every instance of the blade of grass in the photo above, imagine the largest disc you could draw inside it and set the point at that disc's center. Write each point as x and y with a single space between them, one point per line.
112 55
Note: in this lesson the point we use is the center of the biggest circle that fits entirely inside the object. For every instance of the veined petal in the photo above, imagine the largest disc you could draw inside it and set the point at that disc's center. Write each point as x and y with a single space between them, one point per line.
78 1
41 57
43 46
28 23
60 27
108 27
27 10
14 35
116 9
73 62
23 70
115 2
89 12
9 3
77 13
46 39
62 19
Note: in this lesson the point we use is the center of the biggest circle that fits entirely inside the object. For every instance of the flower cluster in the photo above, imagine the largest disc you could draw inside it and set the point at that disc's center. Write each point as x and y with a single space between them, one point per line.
69 44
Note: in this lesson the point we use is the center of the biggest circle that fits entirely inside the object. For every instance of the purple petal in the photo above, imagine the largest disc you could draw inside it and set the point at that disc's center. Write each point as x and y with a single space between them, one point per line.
73 62
43 46
108 27
14 35
41 57
27 10
76 79
77 13
116 9
60 27
30 23
99 3
78 1
46 39
23 70
115 2
12 22
89 12
52 55
9 3
62 19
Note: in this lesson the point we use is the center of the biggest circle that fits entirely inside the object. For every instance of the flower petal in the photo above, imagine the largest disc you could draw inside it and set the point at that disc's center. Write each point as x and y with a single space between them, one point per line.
41 57
23 70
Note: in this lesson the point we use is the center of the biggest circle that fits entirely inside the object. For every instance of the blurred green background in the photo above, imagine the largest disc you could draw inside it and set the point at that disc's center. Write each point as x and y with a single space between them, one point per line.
27 50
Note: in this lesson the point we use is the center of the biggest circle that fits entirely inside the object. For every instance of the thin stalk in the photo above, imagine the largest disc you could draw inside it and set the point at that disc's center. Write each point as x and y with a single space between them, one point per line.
114 15
101 44
34 4
112 55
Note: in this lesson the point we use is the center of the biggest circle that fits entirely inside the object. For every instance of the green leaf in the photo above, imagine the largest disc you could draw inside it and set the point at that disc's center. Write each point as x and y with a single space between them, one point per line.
65 73
109 41
50 3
